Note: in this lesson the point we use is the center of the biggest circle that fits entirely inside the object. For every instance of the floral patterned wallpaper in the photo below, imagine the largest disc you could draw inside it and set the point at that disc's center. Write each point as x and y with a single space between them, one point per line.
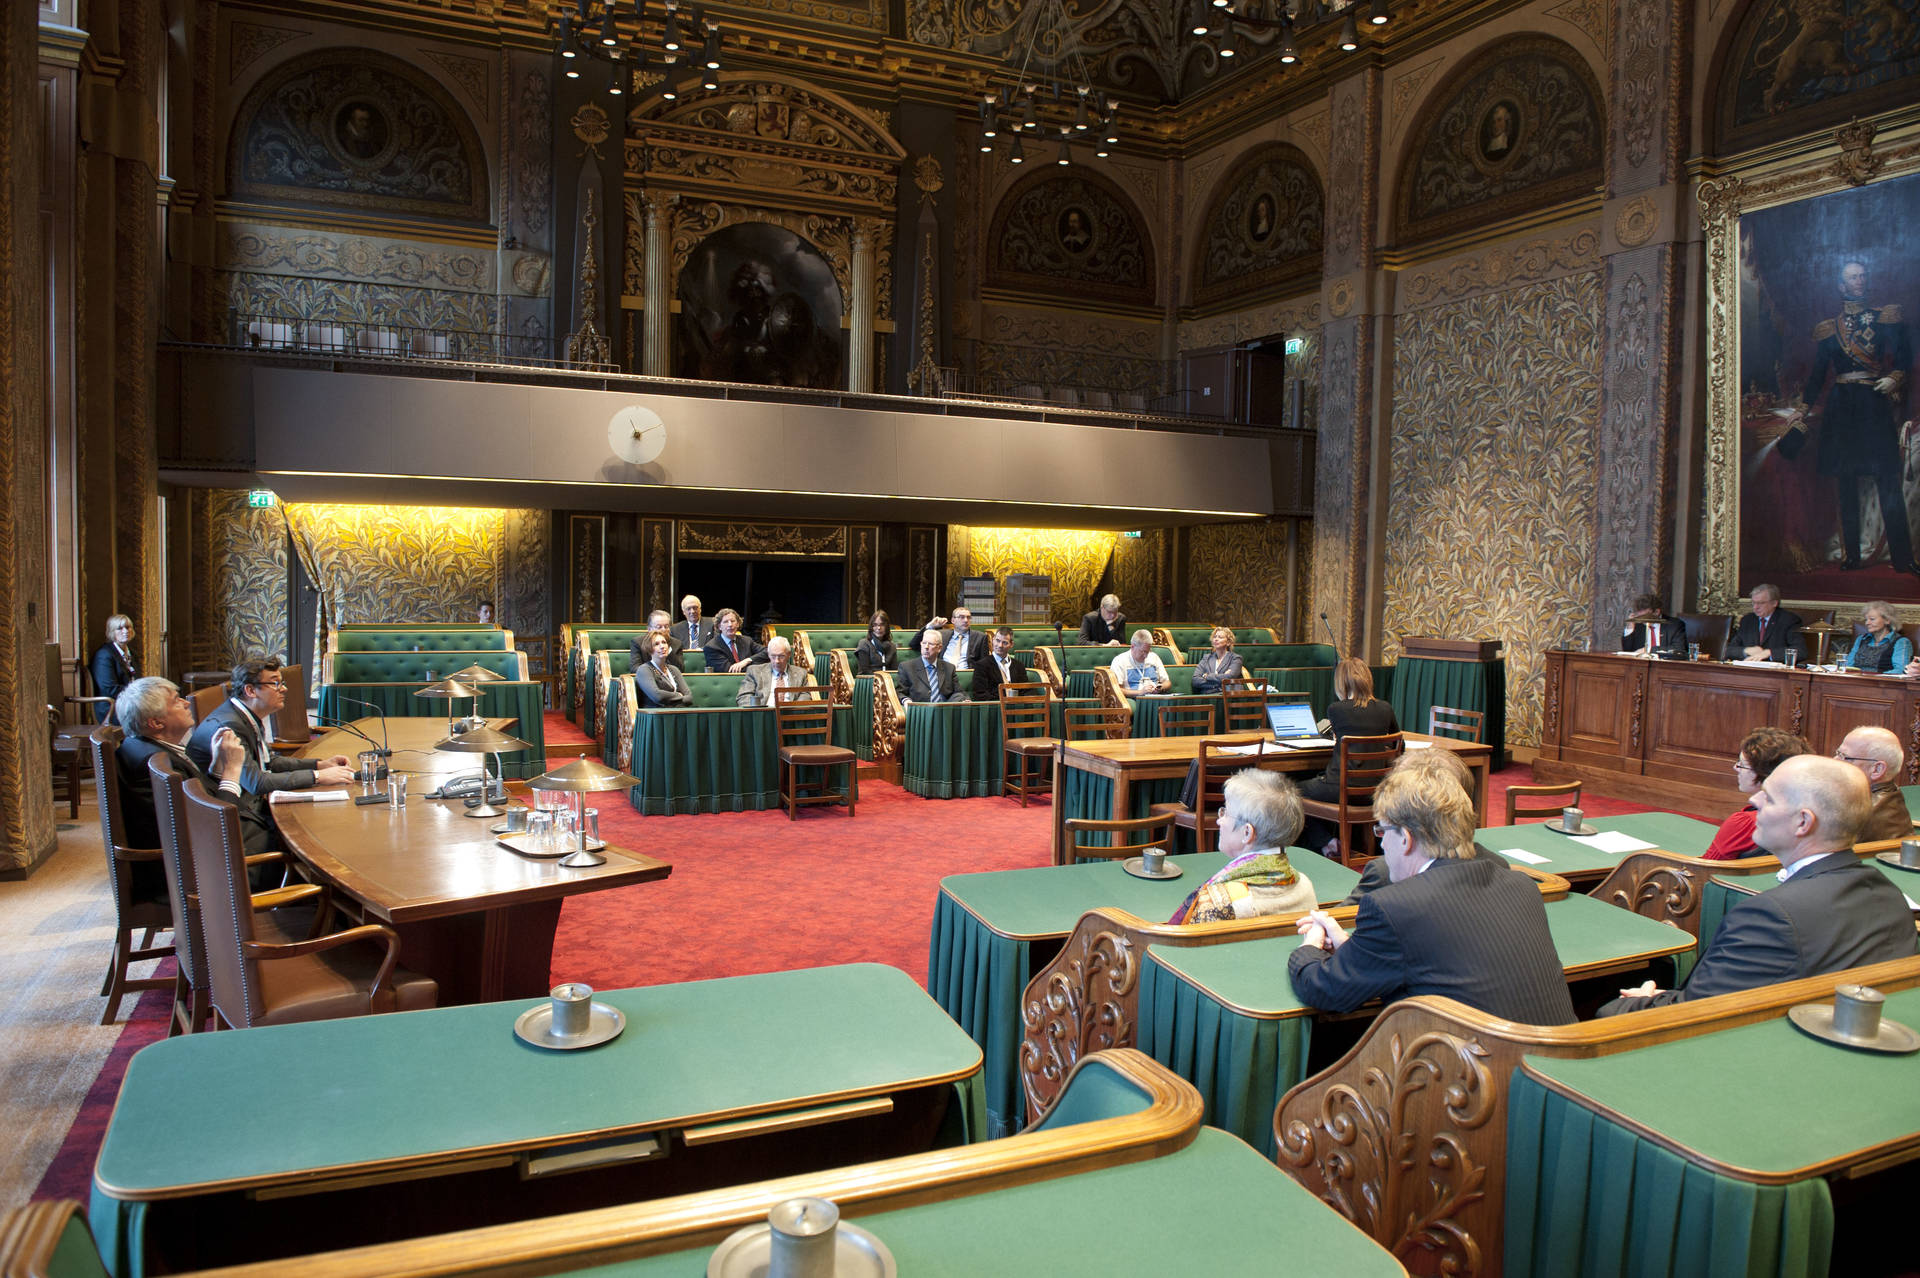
1074 558
400 563
1237 574
246 579
1490 515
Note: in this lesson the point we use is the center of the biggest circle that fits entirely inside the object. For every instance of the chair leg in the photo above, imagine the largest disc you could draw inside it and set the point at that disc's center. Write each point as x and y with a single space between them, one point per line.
117 974
853 786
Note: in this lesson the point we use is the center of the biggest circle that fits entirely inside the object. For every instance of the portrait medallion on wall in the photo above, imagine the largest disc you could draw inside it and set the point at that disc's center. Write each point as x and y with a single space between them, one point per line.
1071 226
1518 127
360 131
1263 227
1829 453
1074 229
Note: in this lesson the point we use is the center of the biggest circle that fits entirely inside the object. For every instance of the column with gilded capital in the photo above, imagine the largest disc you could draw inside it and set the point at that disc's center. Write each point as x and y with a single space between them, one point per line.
1344 487
656 315
1646 250
860 335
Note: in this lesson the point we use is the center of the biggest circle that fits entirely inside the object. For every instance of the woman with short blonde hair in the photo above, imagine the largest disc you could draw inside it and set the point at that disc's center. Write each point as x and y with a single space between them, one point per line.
1881 648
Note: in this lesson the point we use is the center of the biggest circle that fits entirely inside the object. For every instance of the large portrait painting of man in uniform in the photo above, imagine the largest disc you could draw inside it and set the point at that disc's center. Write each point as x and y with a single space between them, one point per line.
1829 453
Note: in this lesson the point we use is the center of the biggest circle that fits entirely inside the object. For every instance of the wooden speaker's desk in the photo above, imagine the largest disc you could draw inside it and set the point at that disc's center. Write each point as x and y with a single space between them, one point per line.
474 915
1667 732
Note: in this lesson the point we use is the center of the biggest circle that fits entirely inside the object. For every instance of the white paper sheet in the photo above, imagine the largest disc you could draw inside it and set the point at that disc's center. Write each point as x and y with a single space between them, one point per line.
1517 855
1613 841
1419 745
307 796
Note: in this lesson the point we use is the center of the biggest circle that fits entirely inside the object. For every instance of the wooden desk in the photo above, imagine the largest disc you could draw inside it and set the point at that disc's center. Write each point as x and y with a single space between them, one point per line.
384 1127
476 916
1582 865
1113 780
1666 733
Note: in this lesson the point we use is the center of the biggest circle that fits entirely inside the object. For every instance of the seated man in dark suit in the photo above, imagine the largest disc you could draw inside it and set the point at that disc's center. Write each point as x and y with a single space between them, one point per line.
695 630
1649 629
259 689
1449 923
1768 631
640 651
757 683
1107 625
928 679
730 651
1831 911
964 647
1001 666
660 685
1443 763
156 719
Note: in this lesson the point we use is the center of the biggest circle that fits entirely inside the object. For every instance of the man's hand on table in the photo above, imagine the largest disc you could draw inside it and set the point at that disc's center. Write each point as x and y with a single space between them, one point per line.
1319 931
333 774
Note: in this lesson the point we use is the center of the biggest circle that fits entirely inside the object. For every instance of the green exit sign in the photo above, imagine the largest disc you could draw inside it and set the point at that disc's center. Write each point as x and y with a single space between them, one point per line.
260 498
1295 345
1129 534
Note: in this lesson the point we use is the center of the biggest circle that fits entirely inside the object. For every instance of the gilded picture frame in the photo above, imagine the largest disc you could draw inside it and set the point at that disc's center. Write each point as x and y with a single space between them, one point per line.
1856 155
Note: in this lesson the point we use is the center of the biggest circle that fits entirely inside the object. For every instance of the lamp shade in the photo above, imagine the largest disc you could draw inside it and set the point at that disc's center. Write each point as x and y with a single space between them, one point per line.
447 689
584 775
476 675
484 740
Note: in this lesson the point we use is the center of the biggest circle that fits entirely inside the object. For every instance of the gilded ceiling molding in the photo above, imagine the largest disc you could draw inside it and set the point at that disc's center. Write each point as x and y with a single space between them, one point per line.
248 42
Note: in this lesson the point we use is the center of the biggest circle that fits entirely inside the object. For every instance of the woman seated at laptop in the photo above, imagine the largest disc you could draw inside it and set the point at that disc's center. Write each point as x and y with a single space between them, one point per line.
1357 713
1221 664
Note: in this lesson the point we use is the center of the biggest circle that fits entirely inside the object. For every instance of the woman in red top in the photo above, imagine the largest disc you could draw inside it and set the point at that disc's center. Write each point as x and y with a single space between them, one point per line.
1760 753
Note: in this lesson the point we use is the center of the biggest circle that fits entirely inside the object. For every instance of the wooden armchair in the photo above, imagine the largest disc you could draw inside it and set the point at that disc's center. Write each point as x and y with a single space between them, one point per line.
1215 765
1152 831
291 730
207 700
1097 723
255 981
1188 721
1364 764
136 879
283 914
1461 725
1244 706
1426 1088
801 713
1025 711
1555 798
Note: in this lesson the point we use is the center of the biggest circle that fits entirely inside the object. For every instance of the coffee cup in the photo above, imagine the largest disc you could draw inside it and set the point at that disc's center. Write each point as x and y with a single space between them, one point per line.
1570 819
1910 853
1153 860
572 1009
804 1238
1856 1011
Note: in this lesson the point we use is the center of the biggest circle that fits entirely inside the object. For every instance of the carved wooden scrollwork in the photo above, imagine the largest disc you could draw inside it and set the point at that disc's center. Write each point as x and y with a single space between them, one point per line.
1075 1010
602 688
839 679
1797 717
1913 747
1551 717
623 731
579 675
1664 892
1639 711
1360 1151
1111 698
889 728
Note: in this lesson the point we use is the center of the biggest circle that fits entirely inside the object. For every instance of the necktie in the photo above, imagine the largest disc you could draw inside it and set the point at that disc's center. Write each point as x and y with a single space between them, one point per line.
933 682
731 654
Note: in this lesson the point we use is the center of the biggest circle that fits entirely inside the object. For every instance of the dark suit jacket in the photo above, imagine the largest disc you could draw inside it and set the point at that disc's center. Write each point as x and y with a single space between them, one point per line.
640 652
1783 630
1374 876
111 673
715 651
136 799
1470 930
1094 629
986 677
279 772
977 650
661 692
1374 719
1208 672
912 681
876 654
698 640
1837 913
1673 636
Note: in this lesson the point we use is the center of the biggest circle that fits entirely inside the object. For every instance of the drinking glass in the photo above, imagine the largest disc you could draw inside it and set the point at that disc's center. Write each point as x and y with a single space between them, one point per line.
539 829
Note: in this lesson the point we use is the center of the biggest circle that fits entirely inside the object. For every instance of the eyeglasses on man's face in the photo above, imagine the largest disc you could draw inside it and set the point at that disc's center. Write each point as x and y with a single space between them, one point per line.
1380 829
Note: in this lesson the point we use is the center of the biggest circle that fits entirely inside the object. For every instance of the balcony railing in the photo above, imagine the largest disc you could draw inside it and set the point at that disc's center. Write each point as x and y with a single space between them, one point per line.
360 339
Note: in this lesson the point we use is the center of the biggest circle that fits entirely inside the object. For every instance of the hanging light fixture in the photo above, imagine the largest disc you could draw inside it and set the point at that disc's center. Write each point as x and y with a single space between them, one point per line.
1017 154
1051 90
1378 14
1349 34
591 30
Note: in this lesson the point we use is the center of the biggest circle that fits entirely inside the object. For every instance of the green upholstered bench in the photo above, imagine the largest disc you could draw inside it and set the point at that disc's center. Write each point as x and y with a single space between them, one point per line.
413 639
582 639
412 667
1189 638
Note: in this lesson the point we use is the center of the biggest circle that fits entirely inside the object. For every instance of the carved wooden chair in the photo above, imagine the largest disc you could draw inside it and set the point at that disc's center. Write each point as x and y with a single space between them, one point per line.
1097 723
1188 721
1461 725
1213 765
1244 706
1024 713
1364 764
1154 830
1667 886
1554 798
207 700
291 731
803 720
135 878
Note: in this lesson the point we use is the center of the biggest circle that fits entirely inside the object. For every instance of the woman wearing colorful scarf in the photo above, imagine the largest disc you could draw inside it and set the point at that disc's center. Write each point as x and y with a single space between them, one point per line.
1259 816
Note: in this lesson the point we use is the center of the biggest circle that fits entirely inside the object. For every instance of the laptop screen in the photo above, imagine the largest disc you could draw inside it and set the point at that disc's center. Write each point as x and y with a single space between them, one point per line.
1292 719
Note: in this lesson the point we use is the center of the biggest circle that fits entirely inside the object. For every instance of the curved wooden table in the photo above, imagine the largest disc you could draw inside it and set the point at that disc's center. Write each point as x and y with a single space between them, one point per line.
474 915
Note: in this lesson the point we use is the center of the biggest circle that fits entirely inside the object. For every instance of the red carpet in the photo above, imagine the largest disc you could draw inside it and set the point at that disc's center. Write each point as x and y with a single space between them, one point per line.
562 730
750 892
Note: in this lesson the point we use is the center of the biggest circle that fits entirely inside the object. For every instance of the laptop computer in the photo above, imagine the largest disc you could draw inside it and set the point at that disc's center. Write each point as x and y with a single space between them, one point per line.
1294 726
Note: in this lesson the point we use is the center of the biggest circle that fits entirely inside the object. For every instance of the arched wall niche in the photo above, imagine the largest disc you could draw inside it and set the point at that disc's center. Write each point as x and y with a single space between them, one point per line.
1785 68
1264 227
1075 228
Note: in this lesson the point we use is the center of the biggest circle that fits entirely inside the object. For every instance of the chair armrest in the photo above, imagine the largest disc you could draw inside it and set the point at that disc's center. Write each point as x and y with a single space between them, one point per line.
288 747
274 898
365 932
261 858
135 854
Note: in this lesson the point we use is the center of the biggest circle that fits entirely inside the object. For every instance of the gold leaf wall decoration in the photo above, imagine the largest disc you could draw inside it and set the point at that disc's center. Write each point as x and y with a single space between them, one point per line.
247 576
401 563
1075 558
1491 512
1237 575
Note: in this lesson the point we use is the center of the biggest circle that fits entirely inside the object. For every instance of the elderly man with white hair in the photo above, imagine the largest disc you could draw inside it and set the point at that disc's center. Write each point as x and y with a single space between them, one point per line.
1831 910
1876 753
1139 669
1105 625
758 682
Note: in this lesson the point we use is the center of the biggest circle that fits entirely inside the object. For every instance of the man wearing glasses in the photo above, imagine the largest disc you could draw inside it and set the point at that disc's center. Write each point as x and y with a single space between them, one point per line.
1449 923
257 690
1876 752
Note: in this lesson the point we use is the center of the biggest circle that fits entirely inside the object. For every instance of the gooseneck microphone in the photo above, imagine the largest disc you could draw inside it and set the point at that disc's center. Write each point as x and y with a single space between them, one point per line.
1328 627
385 752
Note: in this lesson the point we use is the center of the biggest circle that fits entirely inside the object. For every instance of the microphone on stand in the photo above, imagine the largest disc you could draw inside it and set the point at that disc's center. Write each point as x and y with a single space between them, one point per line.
1327 626
385 752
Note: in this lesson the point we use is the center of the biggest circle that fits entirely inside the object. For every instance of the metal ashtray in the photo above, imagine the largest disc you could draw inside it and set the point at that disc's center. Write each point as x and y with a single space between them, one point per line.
1853 1020
601 1023
1137 867
748 1253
